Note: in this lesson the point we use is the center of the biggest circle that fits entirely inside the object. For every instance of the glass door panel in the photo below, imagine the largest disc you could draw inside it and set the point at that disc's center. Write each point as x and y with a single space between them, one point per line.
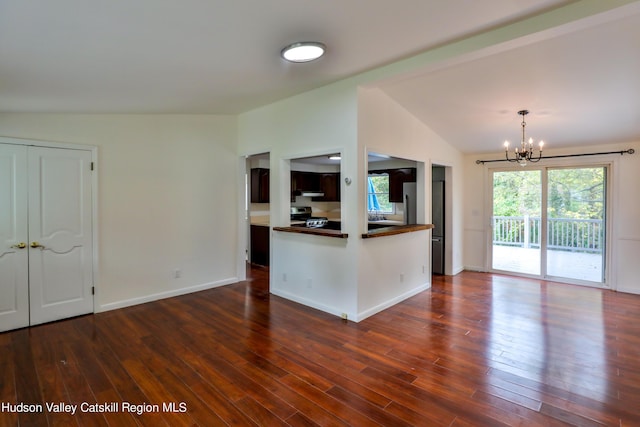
517 201
576 206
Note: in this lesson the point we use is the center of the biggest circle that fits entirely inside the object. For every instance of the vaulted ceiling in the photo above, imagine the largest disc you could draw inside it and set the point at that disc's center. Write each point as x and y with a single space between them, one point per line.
222 57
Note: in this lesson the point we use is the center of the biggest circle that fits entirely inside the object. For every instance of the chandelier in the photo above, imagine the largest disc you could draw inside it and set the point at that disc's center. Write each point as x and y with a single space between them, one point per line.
524 153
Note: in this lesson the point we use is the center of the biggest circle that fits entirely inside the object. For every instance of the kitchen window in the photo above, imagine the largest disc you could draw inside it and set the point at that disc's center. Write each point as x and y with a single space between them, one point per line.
378 194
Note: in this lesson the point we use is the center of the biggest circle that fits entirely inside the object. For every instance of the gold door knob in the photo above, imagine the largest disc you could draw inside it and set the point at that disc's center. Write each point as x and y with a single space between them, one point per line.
36 245
20 245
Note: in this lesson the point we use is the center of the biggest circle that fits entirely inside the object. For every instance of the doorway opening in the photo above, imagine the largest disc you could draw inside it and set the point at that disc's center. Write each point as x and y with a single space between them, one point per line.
258 207
441 212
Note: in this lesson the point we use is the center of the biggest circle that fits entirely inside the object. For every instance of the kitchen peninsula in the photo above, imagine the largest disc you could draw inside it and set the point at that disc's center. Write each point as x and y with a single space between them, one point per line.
315 231
334 252
390 230
393 230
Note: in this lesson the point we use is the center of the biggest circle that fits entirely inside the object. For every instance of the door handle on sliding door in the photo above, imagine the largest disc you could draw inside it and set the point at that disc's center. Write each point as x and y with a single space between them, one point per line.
20 245
36 245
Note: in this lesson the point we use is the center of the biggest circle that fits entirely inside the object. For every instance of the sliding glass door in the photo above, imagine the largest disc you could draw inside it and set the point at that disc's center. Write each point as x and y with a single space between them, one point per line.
576 223
550 222
517 207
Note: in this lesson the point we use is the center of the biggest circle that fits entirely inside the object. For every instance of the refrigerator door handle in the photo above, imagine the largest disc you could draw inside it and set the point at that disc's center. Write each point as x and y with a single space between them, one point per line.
406 209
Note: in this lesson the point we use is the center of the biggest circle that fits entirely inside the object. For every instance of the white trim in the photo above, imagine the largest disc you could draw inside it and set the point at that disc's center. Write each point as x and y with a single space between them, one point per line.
449 269
41 143
460 270
310 303
352 316
163 295
390 303
608 161
243 231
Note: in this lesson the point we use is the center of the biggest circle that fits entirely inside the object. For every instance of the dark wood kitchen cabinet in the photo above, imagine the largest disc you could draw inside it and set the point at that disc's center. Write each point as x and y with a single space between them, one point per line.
259 185
303 181
260 245
397 177
325 182
330 186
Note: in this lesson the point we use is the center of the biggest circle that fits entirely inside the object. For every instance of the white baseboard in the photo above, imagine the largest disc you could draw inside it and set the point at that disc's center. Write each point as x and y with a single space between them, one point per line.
458 270
377 309
476 269
351 316
310 303
163 295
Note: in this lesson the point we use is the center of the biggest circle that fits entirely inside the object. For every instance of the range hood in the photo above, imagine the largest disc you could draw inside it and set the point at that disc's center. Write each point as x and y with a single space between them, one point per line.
308 193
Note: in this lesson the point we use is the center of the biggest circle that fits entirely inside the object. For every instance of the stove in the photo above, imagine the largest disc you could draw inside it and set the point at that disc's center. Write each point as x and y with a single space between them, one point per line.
316 222
303 213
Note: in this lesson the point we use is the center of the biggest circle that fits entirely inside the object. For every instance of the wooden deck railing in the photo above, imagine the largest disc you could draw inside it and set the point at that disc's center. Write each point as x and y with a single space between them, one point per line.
578 235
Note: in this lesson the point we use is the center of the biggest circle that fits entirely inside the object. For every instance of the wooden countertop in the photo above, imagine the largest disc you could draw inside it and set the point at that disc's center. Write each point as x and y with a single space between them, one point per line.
396 229
380 232
314 231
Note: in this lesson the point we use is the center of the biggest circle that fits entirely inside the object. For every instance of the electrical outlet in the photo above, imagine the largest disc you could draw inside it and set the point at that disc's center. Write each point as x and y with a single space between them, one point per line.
177 273
284 277
309 283
401 277
423 269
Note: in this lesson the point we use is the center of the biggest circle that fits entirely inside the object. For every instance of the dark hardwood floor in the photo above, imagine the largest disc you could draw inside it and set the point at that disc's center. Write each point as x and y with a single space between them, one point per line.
475 350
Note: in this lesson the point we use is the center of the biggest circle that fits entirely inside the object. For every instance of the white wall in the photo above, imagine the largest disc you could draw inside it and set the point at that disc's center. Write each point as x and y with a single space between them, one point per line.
317 271
166 198
624 209
162 179
356 276
387 128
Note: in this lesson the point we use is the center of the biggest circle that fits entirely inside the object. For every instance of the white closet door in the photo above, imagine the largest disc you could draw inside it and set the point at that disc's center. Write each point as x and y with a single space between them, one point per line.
60 243
14 279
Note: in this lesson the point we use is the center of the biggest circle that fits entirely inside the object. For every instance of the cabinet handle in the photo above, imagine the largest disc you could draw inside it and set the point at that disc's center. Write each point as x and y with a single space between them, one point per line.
20 245
36 245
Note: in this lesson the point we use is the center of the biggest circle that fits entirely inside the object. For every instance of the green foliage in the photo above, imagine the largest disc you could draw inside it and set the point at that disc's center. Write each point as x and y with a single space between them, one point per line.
380 183
576 193
517 193
381 186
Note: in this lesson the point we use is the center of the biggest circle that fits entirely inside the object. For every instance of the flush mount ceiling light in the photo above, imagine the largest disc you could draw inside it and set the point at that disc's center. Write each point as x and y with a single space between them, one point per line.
303 51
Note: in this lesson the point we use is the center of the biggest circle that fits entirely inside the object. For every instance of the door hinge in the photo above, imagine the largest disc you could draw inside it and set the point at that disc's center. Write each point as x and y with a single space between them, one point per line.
92 165
93 290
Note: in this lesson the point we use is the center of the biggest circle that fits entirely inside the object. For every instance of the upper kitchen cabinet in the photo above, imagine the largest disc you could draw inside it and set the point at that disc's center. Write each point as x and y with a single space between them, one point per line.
302 182
317 178
330 187
397 177
259 185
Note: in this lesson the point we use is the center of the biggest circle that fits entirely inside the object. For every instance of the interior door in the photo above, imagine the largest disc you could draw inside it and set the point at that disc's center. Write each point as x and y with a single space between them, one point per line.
60 233
14 278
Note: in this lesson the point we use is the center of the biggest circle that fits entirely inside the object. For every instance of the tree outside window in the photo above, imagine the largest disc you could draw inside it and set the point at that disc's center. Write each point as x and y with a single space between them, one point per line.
378 194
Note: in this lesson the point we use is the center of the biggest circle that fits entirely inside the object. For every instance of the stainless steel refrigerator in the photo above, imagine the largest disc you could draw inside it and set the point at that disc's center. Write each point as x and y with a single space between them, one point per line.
409 199
437 218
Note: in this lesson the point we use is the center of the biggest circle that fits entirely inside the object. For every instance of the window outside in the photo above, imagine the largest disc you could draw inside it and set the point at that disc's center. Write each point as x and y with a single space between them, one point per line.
378 194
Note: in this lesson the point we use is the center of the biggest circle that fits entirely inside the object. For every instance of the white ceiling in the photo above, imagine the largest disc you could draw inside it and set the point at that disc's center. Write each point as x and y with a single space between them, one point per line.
581 88
222 57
